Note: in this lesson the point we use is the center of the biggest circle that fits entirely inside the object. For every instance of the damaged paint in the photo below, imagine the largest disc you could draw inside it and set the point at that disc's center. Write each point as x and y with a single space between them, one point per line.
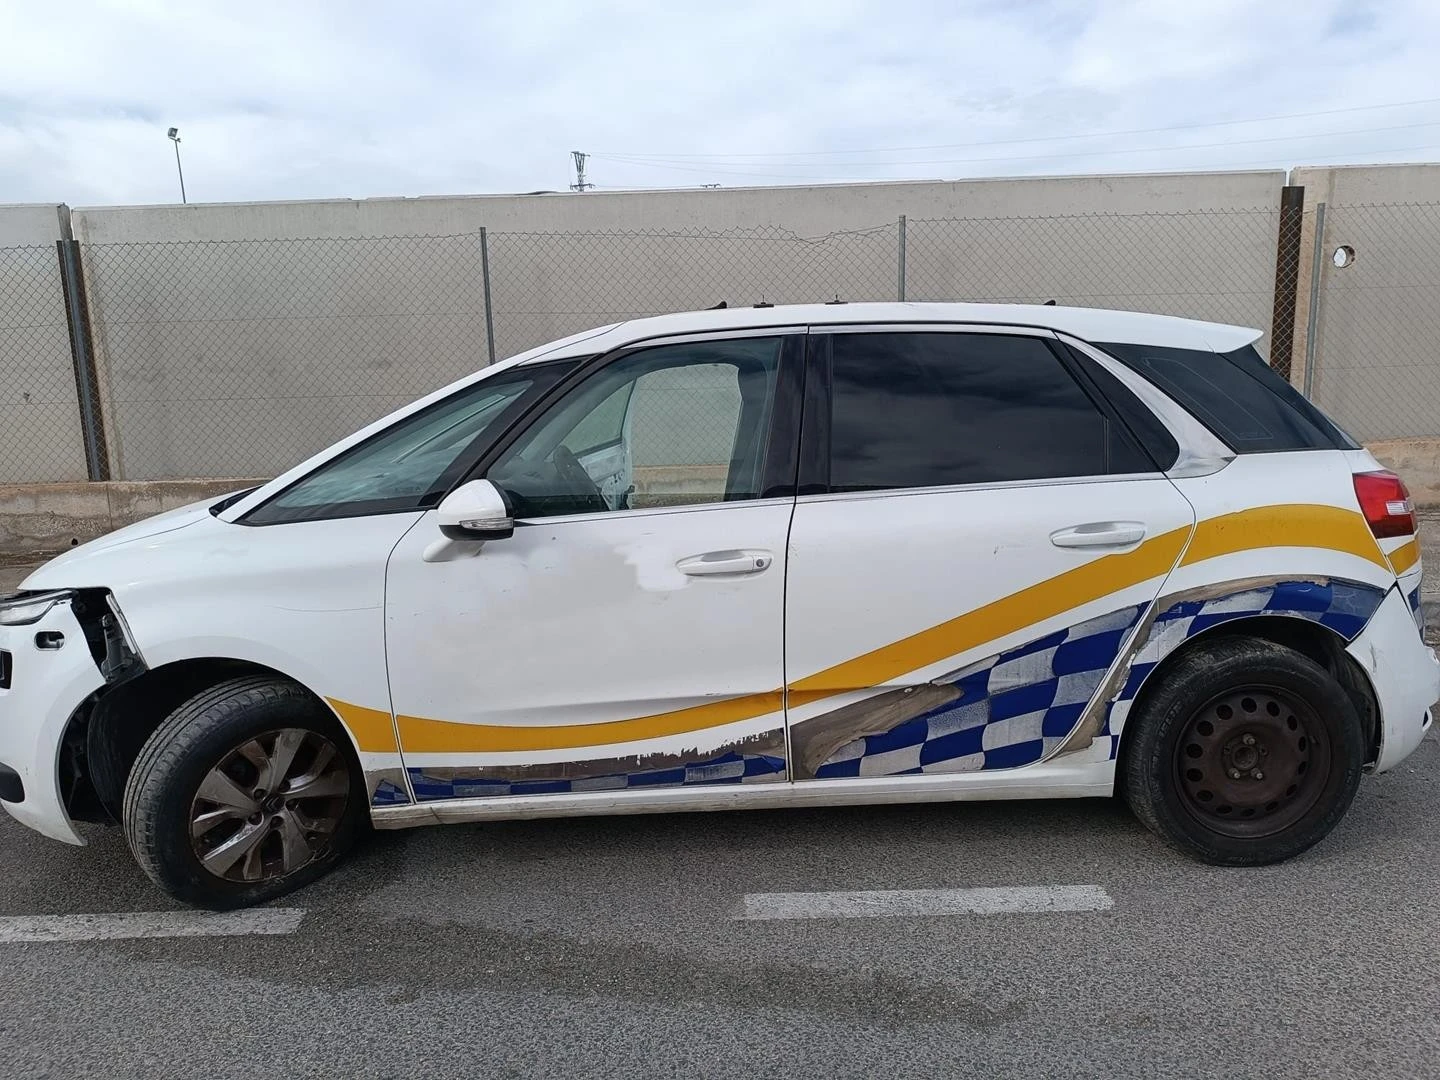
752 759
1342 606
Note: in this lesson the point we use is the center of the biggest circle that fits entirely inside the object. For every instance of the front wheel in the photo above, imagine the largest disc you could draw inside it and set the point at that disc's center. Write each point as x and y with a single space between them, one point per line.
1245 753
246 792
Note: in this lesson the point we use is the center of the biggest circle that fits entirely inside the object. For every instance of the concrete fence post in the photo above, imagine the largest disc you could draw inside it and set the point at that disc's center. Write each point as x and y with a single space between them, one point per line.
77 314
489 310
900 283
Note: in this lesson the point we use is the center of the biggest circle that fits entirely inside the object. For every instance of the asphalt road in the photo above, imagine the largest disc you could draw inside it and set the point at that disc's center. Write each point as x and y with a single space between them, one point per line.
611 947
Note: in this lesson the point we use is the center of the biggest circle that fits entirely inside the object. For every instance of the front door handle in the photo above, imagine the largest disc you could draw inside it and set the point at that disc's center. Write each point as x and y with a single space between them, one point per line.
1099 534
725 563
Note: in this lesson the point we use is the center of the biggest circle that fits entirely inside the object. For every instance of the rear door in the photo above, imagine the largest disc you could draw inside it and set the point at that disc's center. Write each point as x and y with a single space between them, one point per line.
977 534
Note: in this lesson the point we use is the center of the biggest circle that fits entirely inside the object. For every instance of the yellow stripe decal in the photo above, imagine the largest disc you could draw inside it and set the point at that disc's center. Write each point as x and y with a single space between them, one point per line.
1108 574
372 730
1291 525
1296 525
1405 556
443 737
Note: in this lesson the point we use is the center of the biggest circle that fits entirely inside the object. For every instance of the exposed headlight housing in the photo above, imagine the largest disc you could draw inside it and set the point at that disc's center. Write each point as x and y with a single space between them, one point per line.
22 609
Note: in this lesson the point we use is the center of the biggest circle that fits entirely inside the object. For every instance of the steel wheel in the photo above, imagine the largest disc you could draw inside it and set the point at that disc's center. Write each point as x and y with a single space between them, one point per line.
1252 761
270 807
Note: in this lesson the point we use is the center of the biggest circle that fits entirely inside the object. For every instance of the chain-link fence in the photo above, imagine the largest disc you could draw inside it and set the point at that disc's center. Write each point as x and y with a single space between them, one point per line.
1377 347
40 437
242 357
1214 265
548 285
239 358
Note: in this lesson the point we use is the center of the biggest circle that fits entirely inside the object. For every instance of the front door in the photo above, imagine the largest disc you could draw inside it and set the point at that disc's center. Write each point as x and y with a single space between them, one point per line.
629 633
981 534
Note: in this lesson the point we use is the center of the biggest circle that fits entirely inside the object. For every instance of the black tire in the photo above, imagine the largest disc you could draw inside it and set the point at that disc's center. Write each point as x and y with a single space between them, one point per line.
163 785
1195 752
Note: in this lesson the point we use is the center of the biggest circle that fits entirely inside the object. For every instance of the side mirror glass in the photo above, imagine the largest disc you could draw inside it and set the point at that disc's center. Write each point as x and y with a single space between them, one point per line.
476 511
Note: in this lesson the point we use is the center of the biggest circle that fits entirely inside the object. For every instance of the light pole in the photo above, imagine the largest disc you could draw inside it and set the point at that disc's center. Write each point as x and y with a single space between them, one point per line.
174 134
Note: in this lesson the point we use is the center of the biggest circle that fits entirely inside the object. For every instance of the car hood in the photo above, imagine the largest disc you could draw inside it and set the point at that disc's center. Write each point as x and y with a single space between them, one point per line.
89 565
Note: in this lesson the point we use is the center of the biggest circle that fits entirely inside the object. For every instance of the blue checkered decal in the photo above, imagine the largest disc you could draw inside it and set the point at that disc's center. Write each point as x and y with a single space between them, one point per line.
730 768
1343 606
1413 597
388 794
1013 708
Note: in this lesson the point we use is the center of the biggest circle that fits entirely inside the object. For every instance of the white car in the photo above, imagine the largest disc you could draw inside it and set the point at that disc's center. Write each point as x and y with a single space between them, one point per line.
829 554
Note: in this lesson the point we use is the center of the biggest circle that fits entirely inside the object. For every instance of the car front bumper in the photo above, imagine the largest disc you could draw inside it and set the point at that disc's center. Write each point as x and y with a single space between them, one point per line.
1404 673
46 686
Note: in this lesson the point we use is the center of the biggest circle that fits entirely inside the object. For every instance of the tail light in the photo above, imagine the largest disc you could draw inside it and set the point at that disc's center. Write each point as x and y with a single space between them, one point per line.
1385 502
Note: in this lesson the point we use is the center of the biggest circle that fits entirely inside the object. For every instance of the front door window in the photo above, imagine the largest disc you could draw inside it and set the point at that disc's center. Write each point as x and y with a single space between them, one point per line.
676 425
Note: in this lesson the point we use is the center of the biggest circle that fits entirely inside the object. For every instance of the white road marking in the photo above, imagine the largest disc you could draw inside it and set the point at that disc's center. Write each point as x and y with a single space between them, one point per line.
892 903
149 924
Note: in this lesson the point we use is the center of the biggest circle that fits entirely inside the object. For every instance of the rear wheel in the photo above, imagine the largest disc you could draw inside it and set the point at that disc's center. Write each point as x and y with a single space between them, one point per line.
246 792
1245 753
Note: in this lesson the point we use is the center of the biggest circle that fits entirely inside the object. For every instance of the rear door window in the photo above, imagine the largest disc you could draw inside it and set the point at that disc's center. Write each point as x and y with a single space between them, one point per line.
1136 418
917 409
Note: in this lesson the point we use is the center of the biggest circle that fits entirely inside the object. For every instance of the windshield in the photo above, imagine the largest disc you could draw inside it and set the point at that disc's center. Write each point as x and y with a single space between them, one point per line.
410 466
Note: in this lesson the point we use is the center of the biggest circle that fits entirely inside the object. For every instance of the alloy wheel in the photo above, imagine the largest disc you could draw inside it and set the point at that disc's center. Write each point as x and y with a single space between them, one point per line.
270 806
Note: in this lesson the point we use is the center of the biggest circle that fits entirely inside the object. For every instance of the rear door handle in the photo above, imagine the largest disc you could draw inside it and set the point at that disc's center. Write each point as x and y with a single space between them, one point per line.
1099 534
725 563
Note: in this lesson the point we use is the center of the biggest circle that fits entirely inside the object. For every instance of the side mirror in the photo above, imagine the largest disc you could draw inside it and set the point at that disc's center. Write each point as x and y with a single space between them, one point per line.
476 511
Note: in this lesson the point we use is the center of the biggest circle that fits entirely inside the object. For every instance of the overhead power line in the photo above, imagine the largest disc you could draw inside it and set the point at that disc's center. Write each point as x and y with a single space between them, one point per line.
1009 142
832 177
1067 154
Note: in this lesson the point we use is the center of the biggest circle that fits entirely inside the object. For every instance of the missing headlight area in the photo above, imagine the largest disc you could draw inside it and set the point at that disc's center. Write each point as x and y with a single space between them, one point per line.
95 610
106 635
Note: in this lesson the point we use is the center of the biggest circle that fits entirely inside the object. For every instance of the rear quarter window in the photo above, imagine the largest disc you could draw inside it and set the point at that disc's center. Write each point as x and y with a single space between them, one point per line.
1237 396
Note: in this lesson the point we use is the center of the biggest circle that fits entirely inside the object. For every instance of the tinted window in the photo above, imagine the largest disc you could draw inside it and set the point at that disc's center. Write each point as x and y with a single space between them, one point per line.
1236 396
1133 414
925 410
413 463
674 425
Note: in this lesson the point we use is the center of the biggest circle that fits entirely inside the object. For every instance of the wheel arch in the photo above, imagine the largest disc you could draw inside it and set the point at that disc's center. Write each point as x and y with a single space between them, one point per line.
105 734
1309 638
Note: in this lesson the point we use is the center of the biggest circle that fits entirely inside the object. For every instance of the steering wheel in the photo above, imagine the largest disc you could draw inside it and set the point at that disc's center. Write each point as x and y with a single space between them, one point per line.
585 491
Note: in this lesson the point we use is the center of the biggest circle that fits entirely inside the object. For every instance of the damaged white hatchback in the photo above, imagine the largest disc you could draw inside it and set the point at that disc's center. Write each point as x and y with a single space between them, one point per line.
746 558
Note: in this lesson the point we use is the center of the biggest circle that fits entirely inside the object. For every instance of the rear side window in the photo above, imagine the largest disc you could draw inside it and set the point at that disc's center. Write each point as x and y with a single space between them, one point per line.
1237 396
913 410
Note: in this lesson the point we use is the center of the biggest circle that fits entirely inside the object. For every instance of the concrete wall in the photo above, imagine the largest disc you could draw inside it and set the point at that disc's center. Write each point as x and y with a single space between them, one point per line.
1377 362
39 419
45 519
806 210
240 337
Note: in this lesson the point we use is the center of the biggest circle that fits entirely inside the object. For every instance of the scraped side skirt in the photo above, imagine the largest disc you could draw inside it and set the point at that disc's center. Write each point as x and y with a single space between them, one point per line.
1046 780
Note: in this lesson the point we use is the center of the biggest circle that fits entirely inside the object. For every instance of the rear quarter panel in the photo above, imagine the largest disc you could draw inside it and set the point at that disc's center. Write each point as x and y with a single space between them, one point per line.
1279 515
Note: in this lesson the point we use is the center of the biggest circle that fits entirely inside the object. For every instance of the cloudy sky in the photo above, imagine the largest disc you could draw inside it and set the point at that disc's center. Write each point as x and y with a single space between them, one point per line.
304 99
